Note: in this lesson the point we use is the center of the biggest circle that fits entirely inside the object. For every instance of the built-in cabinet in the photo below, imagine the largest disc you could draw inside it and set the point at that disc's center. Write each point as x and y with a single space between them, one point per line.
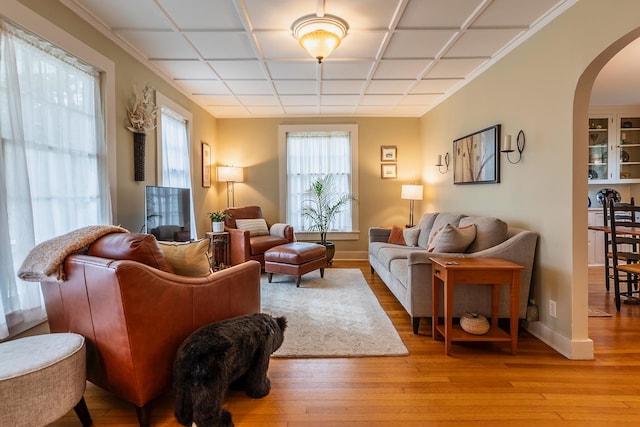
595 255
614 148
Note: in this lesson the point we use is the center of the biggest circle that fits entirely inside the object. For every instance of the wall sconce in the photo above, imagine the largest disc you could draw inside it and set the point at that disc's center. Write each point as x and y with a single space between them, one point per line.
230 175
506 148
439 164
411 193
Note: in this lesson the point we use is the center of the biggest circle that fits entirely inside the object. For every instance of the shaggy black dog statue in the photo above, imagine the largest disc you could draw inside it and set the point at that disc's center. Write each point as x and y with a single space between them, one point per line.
232 353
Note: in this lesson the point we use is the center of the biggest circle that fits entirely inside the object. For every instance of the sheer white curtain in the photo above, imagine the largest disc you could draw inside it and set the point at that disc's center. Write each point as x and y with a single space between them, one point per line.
53 171
311 155
176 162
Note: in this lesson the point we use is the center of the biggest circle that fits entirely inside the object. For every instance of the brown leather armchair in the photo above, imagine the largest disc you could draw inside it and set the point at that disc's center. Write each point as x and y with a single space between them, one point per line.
135 317
244 247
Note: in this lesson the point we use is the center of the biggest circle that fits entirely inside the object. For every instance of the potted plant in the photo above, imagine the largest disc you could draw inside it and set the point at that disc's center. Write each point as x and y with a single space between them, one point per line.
217 220
321 204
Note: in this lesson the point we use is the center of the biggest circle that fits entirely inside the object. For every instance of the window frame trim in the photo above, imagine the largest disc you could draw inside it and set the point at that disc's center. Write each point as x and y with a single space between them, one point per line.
354 234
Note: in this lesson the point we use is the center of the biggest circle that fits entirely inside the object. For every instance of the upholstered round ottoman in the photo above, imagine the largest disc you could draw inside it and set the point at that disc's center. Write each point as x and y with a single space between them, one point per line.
295 259
41 378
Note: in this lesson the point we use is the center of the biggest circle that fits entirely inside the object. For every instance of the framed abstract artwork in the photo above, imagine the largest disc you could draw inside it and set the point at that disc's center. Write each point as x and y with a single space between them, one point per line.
206 165
388 153
476 158
389 171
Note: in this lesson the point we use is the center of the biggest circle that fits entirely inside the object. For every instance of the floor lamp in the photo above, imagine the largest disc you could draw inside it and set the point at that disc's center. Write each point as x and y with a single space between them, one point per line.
411 193
230 175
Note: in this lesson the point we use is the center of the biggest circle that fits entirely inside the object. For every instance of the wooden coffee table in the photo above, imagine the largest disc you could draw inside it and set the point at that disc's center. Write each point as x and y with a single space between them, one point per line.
474 271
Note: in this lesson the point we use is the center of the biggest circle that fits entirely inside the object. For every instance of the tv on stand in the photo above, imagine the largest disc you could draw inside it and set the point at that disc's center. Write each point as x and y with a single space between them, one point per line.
168 213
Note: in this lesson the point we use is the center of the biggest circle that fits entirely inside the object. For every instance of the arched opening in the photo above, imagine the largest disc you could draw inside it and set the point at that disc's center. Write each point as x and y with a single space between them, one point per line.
580 131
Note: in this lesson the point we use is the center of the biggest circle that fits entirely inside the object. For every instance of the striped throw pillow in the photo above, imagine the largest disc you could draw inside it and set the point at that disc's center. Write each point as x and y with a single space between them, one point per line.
256 227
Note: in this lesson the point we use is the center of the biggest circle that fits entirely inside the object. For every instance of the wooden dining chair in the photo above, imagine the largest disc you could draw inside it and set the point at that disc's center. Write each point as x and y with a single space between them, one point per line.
608 254
625 245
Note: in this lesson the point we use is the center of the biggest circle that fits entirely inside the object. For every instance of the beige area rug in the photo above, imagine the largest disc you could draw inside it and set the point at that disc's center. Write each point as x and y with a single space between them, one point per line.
594 312
338 316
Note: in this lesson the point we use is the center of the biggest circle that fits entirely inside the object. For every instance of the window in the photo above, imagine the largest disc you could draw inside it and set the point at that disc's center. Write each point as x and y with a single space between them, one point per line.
308 153
53 170
174 160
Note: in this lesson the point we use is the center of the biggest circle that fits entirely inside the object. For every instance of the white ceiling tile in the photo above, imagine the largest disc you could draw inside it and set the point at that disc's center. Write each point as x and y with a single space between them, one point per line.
454 68
339 99
250 87
475 43
418 43
259 100
238 70
217 100
401 68
126 14
211 87
359 44
296 70
513 12
437 13
291 100
428 86
337 109
160 44
192 69
360 14
420 100
202 14
388 86
280 45
342 87
340 70
278 14
221 45
265 111
296 87
301 110
380 99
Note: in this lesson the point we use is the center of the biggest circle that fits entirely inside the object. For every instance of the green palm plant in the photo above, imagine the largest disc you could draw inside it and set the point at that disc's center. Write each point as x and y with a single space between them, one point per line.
322 203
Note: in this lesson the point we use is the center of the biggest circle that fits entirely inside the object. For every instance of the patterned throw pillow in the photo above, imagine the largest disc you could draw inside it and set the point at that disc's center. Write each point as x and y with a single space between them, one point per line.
256 227
188 259
451 239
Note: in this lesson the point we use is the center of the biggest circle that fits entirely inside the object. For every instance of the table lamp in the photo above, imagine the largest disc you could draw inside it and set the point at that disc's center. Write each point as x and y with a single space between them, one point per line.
411 193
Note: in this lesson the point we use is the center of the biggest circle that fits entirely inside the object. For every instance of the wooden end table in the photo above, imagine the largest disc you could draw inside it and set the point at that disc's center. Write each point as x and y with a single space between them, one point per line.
218 249
474 271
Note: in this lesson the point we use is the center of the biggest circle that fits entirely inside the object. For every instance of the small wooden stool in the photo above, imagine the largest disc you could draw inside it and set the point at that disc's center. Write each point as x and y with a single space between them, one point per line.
295 259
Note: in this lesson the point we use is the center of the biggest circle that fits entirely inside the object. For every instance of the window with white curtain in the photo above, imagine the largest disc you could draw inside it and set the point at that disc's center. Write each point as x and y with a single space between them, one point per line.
311 152
53 162
174 154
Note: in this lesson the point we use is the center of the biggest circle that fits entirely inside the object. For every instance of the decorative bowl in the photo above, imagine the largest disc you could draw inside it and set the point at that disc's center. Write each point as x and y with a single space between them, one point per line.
475 324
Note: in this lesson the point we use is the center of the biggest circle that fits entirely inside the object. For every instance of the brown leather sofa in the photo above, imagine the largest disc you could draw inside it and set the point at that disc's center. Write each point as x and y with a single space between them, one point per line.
135 312
244 247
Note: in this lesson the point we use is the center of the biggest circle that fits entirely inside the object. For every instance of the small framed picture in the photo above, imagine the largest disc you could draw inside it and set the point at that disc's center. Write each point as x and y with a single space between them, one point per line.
206 165
389 171
388 153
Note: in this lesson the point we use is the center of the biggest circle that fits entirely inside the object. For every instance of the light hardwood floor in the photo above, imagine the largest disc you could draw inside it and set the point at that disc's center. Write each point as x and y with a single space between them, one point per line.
480 385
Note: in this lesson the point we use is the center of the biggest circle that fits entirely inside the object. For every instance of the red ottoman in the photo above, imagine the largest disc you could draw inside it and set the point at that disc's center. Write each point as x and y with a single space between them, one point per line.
295 259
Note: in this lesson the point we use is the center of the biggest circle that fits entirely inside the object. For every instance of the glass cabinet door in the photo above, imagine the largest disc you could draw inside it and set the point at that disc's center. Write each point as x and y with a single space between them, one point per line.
629 147
599 148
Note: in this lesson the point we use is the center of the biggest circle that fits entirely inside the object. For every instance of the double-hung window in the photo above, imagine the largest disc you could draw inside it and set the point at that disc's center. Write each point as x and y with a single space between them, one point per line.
309 152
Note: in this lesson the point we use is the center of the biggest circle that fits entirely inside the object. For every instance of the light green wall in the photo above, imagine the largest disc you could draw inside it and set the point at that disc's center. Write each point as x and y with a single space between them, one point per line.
253 144
534 89
130 72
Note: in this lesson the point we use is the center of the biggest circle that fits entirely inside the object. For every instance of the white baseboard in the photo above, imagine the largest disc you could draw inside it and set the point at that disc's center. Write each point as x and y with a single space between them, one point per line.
571 349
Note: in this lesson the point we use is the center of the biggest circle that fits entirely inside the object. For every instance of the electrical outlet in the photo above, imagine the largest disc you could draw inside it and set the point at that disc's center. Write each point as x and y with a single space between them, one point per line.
552 309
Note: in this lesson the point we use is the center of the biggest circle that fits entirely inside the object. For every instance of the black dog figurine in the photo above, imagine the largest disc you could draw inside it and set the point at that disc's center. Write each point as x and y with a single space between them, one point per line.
233 352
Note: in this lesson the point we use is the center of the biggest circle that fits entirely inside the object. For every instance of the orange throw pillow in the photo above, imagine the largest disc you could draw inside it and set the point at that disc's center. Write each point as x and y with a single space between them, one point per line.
396 236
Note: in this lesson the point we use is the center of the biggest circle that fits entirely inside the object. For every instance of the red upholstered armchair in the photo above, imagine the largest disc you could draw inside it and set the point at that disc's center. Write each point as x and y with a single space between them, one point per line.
134 311
249 240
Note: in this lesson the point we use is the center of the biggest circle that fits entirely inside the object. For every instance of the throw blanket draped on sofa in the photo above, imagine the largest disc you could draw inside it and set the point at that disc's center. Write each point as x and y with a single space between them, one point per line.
44 262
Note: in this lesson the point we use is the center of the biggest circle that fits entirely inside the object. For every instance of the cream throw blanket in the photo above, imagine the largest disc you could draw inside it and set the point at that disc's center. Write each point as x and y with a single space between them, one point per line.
45 261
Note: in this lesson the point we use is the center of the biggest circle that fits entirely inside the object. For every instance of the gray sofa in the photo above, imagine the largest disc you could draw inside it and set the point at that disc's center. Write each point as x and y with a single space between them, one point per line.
406 270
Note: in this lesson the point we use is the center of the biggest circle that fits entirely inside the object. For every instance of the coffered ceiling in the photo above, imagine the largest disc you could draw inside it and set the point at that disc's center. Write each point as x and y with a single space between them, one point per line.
238 58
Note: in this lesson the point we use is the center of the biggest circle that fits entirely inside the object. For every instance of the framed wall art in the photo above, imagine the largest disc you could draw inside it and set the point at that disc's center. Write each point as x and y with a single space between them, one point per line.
476 157
389 171
388 153
206 165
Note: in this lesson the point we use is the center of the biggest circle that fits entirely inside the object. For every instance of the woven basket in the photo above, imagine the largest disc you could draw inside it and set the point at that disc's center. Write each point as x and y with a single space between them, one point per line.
475 324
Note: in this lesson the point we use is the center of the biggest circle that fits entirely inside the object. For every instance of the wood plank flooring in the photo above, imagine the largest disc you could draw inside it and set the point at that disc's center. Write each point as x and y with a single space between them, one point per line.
480 385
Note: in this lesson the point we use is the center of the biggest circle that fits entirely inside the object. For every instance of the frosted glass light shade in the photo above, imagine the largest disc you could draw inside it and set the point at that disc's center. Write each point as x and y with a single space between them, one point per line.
319 35
230 174
411 192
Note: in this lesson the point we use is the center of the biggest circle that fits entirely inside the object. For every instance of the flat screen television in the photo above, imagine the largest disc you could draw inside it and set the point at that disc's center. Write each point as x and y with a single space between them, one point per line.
167 213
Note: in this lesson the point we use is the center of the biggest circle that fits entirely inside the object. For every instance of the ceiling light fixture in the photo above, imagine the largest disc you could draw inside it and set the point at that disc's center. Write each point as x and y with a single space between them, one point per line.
319 35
